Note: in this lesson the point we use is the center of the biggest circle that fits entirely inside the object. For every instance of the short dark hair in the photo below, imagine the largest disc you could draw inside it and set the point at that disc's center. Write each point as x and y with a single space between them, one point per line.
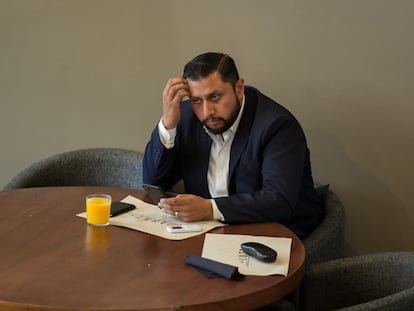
203 65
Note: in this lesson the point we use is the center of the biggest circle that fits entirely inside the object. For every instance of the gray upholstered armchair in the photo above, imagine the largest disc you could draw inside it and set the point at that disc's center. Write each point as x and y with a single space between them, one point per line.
327 241
85 167
380 282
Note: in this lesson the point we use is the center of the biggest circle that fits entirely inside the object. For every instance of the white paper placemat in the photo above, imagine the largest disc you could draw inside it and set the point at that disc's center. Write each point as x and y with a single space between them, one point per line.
226 248
151 219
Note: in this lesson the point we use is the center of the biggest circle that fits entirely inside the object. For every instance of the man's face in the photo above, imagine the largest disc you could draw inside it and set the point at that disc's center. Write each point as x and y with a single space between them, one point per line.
216 103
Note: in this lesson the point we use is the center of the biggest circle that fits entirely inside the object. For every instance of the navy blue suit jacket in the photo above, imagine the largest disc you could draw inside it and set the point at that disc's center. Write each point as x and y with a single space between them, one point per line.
270 175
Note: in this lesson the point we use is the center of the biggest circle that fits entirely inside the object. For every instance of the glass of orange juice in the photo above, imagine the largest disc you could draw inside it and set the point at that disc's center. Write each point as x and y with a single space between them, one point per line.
98 207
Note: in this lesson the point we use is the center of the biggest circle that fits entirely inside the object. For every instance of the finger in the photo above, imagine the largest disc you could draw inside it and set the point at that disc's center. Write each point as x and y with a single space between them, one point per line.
177 93
176 88
164 206
176 83
168 212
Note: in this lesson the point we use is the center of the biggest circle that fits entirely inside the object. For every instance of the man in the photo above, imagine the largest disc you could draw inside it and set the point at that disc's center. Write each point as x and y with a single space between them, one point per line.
243 158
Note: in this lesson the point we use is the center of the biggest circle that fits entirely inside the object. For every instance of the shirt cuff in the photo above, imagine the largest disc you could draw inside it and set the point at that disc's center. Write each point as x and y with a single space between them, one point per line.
217 215
167 137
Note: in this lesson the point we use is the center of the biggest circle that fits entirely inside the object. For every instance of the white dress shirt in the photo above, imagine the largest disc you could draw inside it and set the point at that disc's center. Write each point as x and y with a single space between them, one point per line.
218 166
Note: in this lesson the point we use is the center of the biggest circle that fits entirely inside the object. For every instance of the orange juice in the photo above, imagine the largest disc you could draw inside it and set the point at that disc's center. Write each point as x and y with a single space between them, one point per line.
98 207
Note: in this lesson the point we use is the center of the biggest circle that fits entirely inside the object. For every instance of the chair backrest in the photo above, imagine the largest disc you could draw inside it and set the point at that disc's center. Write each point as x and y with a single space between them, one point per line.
111 167
383 281
327 241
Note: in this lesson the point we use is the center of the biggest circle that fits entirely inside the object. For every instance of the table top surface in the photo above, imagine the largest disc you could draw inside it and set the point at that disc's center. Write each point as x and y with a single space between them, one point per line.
52 260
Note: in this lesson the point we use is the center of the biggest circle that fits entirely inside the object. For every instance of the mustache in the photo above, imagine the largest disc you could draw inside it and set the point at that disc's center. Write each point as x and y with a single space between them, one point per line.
212 119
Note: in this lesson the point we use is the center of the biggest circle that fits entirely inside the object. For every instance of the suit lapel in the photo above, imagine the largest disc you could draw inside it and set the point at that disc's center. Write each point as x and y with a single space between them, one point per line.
242 134
204 146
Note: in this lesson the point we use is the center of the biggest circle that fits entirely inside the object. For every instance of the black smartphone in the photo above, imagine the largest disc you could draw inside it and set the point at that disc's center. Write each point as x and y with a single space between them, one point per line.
156 193
118 208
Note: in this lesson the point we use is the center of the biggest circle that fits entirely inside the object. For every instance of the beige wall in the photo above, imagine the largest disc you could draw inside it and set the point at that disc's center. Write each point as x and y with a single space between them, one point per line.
90 73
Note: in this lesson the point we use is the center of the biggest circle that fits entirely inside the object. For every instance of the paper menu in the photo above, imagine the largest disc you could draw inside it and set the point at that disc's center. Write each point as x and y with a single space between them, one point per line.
225 248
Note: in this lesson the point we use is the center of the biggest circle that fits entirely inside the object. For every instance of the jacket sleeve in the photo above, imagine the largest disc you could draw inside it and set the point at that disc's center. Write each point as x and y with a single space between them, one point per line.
160 165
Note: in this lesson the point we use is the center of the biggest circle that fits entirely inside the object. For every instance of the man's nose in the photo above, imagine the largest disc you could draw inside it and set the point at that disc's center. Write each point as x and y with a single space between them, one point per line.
208 108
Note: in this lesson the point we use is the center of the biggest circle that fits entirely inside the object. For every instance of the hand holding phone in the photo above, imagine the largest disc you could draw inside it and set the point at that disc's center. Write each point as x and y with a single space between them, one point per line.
156 193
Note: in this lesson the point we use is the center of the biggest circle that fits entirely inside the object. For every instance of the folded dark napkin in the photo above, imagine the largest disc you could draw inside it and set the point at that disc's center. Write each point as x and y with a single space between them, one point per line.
213 269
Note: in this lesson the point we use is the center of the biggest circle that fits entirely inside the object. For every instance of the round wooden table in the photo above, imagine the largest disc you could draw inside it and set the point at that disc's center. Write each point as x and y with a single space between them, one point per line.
52 260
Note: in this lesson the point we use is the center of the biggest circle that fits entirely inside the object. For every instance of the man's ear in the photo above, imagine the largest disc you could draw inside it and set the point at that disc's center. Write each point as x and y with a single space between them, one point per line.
240 88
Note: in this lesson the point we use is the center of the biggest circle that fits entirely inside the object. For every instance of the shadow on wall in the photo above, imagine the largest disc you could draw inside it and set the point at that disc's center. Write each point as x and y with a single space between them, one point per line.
376 219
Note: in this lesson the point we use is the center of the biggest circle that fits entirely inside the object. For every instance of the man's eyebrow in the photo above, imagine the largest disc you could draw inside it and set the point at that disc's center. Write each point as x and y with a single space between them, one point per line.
215 92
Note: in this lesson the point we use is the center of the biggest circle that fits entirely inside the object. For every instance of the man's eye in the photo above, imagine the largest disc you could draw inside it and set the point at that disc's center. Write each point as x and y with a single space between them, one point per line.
215 97
195 100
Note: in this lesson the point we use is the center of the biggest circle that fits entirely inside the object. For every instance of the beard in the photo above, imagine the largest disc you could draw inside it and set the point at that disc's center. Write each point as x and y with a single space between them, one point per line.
227 123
